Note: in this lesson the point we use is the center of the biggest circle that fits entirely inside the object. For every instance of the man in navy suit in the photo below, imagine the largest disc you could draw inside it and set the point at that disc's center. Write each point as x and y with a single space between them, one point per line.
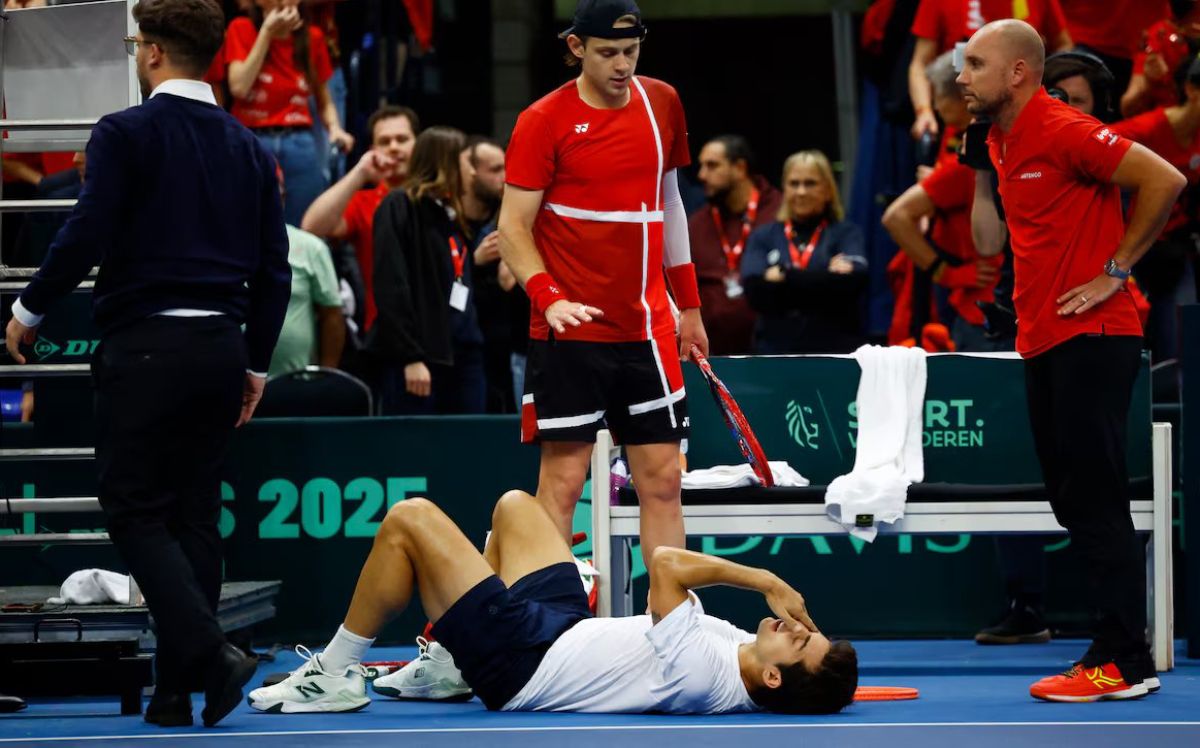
180 209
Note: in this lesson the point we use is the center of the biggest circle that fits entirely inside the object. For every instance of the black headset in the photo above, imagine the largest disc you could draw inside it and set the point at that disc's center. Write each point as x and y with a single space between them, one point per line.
1099 78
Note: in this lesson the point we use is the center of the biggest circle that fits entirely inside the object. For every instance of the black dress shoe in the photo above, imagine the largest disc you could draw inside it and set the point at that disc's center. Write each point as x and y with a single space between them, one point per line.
10 704
168 709
1023 624
231 669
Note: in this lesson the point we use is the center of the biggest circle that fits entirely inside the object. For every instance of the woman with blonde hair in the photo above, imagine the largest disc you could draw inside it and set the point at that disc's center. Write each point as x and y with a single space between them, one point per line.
427 335
805 274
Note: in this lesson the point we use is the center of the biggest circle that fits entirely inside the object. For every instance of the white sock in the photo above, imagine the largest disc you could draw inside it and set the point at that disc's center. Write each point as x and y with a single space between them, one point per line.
344 650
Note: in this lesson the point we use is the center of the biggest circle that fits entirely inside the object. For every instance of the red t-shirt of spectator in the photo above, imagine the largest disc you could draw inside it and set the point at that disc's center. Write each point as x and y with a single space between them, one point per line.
1064 218
950 21
600 229
1153 130
359 216
279 97
1112 27
951 189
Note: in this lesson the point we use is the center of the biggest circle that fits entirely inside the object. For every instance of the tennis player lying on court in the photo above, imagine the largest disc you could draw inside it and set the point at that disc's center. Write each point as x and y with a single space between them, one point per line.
516 621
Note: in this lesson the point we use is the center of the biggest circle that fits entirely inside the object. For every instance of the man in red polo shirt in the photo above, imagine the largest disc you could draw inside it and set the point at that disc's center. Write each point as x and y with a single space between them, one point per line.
591 217
1060 176
346 211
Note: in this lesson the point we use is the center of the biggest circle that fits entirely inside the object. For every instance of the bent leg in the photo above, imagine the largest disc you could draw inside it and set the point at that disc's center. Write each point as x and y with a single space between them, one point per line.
657 476
560 481
417 544
524 538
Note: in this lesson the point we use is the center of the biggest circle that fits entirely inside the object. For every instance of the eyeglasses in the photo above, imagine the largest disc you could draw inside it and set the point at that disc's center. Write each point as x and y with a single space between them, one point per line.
132 42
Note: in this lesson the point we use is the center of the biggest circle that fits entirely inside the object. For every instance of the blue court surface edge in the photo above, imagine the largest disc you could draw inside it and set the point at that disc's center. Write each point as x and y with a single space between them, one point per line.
970 696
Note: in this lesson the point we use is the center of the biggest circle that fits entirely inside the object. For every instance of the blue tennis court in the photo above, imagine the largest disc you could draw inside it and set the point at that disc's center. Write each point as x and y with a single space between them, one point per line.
970 695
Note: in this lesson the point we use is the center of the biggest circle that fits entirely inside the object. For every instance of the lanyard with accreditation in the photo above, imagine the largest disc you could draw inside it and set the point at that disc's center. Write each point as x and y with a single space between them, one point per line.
800 259
733 254
458 291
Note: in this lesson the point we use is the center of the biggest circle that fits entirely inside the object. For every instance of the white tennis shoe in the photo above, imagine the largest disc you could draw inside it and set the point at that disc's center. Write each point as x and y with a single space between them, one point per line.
310 688
430 677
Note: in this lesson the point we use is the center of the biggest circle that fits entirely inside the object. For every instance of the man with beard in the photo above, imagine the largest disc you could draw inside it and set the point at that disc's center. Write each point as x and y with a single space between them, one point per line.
1061 173
739 201
181 210
483 170
346 211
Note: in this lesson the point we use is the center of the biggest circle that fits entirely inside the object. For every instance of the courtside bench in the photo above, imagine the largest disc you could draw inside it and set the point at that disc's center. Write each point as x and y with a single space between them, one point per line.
977 443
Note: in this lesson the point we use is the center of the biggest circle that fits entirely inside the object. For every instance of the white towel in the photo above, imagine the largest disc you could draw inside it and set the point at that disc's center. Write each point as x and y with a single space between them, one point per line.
891 398
735 476
93 587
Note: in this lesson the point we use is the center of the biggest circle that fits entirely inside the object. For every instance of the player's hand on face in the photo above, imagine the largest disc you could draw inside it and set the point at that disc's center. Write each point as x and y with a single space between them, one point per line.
417 379
563 314
788 604
691 332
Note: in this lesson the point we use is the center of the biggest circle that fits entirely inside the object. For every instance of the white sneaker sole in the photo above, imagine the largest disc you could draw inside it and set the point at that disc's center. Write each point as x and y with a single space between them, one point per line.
423 693
1152 684
1133 692
297 707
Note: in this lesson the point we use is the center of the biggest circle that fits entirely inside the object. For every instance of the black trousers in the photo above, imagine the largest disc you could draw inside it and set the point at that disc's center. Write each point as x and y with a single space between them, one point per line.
168 392
1079 394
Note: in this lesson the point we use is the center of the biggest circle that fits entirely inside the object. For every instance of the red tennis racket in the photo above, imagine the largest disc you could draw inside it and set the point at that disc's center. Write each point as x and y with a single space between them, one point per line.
735 420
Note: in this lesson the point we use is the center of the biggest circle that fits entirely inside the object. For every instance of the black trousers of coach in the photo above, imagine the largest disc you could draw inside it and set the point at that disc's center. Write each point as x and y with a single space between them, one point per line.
1079 394
168 392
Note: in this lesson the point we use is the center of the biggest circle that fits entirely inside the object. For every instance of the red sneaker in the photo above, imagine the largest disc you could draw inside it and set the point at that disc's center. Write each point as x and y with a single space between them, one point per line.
1087 684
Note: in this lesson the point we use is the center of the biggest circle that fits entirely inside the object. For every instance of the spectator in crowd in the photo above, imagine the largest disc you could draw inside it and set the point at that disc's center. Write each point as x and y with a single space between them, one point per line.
324 17
483 159
427 334
1156 63
346 211
805 273
314 329
940 24
739 201
944 198
275 62
517 306
1113 30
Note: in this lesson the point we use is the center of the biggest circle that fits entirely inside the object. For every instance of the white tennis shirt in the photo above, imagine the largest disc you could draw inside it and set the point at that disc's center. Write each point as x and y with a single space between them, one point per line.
687 664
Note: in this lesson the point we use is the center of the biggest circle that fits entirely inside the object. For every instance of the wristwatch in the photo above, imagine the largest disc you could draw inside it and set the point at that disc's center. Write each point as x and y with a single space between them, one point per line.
1112 270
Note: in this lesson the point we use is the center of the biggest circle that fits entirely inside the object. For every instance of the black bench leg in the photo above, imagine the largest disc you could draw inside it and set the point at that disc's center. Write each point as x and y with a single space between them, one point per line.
131 700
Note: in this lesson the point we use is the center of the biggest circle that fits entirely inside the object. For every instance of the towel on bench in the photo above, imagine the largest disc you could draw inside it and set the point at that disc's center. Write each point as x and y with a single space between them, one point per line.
891 397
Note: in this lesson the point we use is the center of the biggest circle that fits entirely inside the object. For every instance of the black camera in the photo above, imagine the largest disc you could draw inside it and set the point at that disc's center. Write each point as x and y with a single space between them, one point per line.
974 152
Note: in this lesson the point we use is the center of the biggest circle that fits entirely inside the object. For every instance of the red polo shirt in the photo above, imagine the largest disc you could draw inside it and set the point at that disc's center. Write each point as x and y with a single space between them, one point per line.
1064 218
1153 130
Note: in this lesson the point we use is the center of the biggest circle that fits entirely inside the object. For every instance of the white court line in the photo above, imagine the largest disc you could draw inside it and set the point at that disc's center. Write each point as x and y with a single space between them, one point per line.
585 728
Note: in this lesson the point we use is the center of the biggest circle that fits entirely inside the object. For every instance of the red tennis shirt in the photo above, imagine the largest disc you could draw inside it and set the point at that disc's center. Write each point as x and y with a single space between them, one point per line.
1064 218
600 228
359 216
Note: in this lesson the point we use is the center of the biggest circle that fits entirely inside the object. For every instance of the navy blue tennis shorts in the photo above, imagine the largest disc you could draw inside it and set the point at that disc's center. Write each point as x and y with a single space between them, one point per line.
498 635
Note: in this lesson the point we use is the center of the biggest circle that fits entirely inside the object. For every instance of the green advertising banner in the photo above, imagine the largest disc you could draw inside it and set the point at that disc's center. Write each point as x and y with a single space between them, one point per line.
302 499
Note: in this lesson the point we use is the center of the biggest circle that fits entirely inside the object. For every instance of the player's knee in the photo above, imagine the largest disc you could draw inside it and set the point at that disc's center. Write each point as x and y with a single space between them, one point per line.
561 492
405 517
513 502
660 485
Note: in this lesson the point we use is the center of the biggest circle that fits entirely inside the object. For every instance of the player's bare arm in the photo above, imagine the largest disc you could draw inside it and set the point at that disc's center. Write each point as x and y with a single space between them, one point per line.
518 251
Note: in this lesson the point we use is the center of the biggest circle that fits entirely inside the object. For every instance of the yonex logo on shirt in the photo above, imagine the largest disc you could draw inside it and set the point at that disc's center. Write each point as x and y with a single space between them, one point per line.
582 127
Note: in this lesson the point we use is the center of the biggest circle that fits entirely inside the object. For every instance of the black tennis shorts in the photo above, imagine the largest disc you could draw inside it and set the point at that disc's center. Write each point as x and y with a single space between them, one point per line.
574 388
498 635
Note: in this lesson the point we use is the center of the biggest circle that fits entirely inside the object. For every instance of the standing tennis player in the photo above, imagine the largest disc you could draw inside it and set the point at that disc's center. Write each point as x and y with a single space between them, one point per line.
590 218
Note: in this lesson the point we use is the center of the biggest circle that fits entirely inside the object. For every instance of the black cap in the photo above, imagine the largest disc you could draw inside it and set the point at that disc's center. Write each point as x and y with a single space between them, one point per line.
596 18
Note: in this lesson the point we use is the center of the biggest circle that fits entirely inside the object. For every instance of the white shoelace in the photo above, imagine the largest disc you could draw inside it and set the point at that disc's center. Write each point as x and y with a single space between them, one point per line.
423 646
312 663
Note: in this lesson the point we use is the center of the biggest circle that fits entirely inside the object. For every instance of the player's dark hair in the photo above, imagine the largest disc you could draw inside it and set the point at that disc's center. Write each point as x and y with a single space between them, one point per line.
472 147
191 31
390 111
825 690
737 149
